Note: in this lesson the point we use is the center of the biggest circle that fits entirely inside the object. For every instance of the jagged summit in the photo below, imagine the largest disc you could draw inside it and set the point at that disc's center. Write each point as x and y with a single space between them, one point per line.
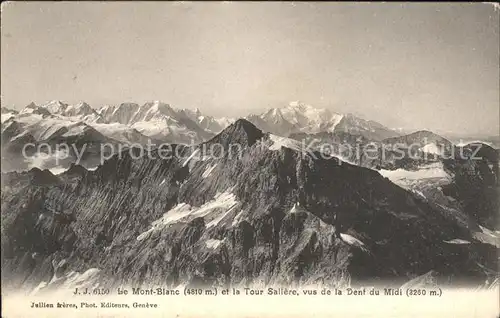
80 109
162 121
31 105
32 108
34 177
121 113
241 132
298 104
55 106
245 125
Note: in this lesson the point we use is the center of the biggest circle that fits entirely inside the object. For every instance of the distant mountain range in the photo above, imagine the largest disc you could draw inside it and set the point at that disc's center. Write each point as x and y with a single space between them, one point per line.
154 119
133 123
299 117
124 124
156 122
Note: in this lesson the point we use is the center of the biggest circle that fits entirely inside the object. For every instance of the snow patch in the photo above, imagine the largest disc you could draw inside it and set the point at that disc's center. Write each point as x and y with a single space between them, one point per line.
404 178
213 244
238 218
351 240
419 193
40 286
494 234
75 130
457 241
191 157
219 218
208 171
279 142
75 279
297 208
58 170
41 217
120 132
215 210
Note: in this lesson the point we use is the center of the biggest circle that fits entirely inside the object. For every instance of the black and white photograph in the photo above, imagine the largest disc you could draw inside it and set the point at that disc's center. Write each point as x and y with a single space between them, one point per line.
262 159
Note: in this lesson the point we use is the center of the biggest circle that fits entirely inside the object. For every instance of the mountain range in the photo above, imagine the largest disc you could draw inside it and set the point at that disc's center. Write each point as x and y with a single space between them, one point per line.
125 124
155 122
270 214
299 117
281 210
160 121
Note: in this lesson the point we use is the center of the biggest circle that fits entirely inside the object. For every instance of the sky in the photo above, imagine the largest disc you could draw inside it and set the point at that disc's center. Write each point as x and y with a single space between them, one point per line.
406 65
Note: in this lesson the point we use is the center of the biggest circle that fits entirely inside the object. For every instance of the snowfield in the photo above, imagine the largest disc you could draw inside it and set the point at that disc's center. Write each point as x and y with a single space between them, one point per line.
212 243
457 241
6 116
405 178
213 211
351 240
278 142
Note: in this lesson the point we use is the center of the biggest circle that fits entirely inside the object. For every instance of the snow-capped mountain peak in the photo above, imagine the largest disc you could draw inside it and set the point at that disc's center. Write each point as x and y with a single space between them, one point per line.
32 108
79 109
31 105
121 113
296 117
161 121
55 107
300 106
299 117
155 111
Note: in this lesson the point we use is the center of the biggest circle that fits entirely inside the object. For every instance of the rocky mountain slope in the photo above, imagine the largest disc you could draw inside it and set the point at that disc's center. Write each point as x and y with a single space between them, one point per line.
244 208
427 164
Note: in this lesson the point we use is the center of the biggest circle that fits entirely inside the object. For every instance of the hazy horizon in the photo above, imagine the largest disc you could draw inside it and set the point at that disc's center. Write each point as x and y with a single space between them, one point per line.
414 66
